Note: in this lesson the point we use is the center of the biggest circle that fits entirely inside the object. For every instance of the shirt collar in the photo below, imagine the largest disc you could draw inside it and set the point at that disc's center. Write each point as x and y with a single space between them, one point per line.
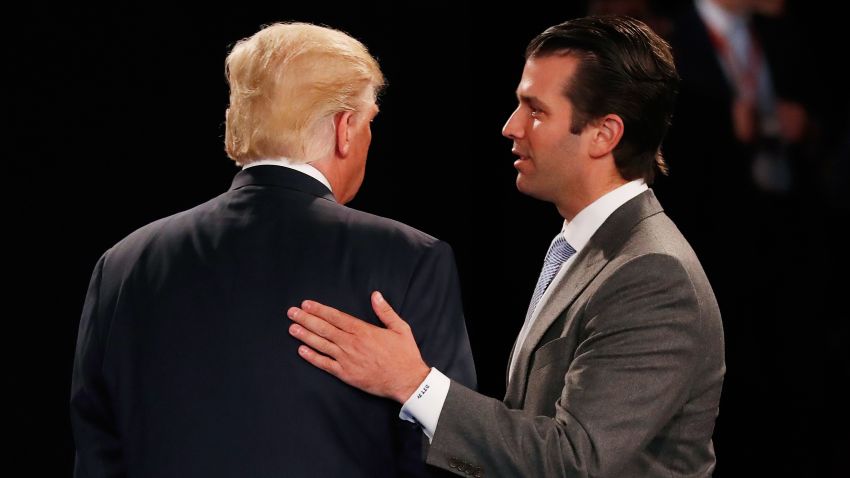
579 231
300 167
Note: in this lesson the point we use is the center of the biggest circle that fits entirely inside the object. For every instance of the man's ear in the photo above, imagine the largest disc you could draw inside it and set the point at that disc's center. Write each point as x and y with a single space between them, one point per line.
607 133
343 121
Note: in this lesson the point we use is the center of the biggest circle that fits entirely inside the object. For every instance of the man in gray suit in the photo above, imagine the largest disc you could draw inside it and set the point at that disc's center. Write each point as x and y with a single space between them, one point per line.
618 368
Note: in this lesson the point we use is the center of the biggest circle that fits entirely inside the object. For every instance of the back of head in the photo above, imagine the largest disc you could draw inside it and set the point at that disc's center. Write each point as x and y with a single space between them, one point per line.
626 69
286 83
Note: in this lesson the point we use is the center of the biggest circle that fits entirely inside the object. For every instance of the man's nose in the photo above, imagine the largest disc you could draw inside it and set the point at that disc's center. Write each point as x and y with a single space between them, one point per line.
513 127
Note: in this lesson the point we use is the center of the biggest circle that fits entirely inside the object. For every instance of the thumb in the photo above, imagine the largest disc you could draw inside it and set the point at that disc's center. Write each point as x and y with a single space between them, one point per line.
386 313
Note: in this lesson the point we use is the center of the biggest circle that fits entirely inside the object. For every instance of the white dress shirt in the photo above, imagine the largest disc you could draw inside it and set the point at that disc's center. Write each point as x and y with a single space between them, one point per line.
426 404
301 167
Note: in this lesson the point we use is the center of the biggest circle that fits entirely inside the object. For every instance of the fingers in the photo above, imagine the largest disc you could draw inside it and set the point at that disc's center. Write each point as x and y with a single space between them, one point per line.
339 319
315 341
316 325
318 360
386 313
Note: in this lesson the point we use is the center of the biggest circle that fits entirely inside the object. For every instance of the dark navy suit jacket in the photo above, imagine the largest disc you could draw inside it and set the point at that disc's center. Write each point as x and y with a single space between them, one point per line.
184 365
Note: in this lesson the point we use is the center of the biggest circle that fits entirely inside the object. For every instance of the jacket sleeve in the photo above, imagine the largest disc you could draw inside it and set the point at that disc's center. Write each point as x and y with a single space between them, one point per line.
631 372
98 447
433 308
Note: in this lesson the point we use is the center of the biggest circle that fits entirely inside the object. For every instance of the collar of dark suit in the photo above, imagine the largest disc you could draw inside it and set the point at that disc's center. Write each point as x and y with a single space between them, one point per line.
278 176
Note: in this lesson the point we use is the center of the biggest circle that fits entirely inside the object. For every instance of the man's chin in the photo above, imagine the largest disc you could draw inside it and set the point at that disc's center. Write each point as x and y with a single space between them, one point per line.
523 186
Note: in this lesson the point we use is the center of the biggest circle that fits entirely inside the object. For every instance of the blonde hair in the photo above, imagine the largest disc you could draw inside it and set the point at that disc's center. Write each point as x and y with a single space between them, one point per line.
286 82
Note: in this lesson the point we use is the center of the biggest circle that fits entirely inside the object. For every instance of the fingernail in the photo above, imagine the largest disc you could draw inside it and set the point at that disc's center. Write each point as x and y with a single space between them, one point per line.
378 297
302 350
291 312
294 329
306 305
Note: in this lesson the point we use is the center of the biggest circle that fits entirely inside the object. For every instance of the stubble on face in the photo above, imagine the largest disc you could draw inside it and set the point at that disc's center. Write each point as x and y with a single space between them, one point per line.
540 128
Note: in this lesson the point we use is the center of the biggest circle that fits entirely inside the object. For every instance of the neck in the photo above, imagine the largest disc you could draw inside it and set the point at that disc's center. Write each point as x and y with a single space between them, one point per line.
576 201
332 174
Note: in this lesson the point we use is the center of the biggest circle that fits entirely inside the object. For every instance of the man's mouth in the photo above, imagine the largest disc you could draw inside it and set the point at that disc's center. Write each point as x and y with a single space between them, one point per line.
520 154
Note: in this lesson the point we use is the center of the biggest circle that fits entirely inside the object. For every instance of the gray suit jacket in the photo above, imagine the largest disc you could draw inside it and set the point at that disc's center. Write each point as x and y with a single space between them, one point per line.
620 374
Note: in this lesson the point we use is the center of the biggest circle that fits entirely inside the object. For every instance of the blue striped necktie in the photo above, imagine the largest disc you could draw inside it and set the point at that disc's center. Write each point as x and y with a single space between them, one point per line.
559 251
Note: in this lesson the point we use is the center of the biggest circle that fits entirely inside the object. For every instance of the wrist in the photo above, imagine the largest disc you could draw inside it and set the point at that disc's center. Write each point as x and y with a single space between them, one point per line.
412 384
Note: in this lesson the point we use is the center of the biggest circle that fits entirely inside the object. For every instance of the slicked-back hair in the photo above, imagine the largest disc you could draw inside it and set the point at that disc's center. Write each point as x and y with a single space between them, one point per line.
625 69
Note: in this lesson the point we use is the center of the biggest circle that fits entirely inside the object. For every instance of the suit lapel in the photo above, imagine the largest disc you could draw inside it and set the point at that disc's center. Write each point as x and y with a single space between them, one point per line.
598 252
565 289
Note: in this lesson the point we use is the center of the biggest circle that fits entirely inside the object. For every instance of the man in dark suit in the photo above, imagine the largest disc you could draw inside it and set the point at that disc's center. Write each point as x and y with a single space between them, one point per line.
183 365
618 368
741 121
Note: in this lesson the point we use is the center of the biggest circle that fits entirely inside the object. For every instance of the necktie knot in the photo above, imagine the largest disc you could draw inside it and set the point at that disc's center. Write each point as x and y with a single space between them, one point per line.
559 251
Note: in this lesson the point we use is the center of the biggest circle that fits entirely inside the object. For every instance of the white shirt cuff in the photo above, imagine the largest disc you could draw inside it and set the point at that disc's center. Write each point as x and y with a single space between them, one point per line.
426 403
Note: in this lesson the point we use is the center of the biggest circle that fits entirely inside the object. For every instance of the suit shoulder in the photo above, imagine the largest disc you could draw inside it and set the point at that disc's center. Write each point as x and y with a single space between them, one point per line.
657 234
132 245
655 250
657 258
389 231
646 265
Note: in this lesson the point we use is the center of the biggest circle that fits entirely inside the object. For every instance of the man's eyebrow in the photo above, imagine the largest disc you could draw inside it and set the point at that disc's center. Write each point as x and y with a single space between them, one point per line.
531 100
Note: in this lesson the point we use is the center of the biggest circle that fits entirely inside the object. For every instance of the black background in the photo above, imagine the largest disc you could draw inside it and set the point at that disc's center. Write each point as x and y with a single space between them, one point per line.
114 118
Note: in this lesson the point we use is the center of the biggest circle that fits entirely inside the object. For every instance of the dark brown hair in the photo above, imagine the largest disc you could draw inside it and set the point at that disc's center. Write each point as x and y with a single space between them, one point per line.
626 69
